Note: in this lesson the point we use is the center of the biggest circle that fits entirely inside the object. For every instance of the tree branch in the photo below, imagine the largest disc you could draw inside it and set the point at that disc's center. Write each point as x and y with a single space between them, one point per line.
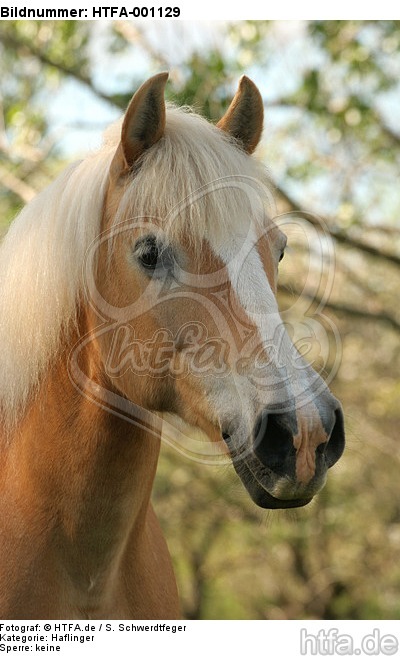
17 186
336 233
12 41
341 308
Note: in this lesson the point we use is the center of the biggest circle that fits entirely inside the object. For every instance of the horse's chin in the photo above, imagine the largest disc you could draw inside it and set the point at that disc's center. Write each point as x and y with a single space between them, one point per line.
264 487
264 499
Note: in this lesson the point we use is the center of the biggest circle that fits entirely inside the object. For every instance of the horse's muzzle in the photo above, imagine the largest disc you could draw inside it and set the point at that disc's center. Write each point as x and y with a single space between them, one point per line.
280 472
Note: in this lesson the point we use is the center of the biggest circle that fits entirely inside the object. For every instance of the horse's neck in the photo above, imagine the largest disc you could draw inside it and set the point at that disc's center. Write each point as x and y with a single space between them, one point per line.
85 475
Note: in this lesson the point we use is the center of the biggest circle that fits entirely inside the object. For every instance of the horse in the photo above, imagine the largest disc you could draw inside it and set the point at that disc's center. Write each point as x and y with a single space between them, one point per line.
160 241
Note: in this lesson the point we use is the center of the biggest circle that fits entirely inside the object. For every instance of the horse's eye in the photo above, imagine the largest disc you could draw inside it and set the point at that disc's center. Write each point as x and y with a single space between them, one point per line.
149 253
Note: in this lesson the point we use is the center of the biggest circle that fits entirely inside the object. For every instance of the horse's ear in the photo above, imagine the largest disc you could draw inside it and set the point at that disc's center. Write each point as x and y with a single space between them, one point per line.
144 120
244 117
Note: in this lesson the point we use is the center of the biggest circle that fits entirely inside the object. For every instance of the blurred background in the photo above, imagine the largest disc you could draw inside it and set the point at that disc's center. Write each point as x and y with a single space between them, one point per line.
332 146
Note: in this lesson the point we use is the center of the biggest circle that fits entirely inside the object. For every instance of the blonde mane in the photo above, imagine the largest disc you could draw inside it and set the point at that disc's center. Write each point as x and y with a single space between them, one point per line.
197 181
42 256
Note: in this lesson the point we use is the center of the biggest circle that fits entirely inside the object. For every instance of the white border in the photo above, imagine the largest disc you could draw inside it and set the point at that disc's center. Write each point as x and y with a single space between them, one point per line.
222 11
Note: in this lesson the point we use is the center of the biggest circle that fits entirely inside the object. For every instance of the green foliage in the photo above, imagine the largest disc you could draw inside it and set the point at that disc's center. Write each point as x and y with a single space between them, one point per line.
27 80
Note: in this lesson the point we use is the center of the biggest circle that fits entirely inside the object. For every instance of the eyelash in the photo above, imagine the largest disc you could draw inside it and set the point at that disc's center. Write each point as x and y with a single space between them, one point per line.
149 257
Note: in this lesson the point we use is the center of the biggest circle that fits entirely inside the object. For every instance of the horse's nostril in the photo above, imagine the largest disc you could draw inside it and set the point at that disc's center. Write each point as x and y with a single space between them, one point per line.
274 446
273 440
335 445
